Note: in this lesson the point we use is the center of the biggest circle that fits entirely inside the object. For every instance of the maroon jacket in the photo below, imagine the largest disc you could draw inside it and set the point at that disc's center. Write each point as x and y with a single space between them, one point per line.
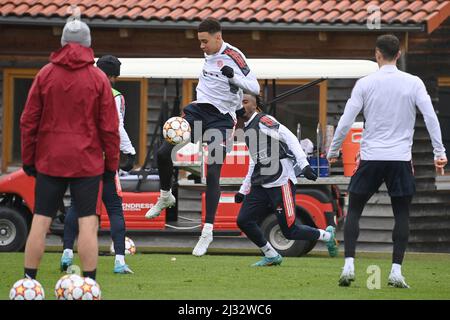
70 126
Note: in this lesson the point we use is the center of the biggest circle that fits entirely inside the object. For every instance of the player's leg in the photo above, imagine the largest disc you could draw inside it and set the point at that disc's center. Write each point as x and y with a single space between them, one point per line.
364 183
49 191
165 170
356 206
113 205
212 196
165 164
85 194
283 201
70 233
400 183
255 207
218 131
400 235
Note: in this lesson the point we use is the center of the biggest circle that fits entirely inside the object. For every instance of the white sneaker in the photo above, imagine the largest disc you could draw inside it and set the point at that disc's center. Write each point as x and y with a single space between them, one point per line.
203 244
347 276
161 204
396 280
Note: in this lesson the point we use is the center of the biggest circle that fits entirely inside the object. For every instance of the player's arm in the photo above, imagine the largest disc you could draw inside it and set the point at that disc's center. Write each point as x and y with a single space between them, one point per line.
352 108
423 102
108 126
238 72
281 133
125 142
246 184
248 83
29 124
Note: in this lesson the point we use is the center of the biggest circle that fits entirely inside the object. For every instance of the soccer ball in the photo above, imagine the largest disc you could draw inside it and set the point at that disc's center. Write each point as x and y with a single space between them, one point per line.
84 289
130 247
177 130
27 289
65 283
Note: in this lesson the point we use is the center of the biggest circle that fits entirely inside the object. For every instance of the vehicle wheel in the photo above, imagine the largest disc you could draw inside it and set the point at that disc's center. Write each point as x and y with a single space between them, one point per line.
13 230
287 248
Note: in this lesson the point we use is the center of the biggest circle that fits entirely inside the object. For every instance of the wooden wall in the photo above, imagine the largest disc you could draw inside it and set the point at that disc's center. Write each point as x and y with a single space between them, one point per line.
20 41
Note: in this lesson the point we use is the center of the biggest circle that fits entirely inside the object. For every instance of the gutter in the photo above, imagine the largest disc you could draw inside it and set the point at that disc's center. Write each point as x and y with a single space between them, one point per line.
262 26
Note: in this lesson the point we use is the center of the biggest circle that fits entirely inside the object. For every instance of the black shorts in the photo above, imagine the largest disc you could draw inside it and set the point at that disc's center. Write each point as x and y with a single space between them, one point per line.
210 118
49 194
370 174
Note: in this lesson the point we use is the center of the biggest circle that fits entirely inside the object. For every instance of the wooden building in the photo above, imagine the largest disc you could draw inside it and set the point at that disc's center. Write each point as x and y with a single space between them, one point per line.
30 30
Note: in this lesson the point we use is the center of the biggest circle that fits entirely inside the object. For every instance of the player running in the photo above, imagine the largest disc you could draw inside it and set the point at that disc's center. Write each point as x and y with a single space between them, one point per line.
276 159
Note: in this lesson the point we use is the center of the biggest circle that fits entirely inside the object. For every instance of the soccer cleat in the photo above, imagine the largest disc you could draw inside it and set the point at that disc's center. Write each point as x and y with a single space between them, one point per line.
332 244
267 262
161 204
347 276
66 262
122 268
203 244
397 281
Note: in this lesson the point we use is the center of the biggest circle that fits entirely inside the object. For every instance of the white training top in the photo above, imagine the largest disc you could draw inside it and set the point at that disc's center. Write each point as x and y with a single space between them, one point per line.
125 143
282 134
214 88
388 100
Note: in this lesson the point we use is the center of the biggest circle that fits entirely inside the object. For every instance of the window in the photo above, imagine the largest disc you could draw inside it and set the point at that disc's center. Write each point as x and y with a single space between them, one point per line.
135 122
17 83
308 107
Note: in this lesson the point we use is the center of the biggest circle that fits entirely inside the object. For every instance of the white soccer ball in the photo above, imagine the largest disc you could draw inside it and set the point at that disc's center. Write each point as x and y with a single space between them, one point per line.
65 283
84 289
130 247
177 130
27 289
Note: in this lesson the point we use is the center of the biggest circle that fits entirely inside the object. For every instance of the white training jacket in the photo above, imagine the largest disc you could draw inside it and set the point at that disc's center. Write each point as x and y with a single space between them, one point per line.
388 100
125 143
214 88
282 134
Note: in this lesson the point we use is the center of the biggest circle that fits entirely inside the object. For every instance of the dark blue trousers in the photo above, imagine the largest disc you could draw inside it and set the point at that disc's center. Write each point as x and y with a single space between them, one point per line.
279 200
113 204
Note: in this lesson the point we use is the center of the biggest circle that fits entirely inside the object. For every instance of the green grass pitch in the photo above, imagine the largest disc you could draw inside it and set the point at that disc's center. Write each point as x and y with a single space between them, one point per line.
160 276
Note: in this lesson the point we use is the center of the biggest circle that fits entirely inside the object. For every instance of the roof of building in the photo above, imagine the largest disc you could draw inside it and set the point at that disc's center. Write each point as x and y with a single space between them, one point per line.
251 14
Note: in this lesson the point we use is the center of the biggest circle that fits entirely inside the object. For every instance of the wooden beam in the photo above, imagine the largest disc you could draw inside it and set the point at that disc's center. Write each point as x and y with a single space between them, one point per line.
323 107
444 81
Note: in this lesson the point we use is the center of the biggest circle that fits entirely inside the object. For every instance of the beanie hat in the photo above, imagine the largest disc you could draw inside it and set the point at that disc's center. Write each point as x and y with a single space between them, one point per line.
76 31
109 65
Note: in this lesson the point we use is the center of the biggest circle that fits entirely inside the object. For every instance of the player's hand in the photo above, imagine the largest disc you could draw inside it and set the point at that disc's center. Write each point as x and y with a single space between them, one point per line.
29 170
239 197
129 164
332 160
440 164
227 71
309 173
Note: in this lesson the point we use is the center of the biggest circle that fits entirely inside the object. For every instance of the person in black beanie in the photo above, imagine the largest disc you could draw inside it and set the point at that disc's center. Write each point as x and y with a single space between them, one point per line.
110 65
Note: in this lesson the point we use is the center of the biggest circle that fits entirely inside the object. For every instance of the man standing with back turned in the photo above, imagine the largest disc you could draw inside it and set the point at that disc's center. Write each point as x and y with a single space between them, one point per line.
70 137
388 99
224 78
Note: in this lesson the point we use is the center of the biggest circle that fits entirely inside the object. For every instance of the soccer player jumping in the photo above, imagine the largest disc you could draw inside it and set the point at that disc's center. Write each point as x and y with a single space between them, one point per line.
388 99
224 77
276 159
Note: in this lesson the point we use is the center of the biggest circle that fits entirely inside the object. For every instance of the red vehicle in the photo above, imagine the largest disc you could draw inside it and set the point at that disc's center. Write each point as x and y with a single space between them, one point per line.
318 204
